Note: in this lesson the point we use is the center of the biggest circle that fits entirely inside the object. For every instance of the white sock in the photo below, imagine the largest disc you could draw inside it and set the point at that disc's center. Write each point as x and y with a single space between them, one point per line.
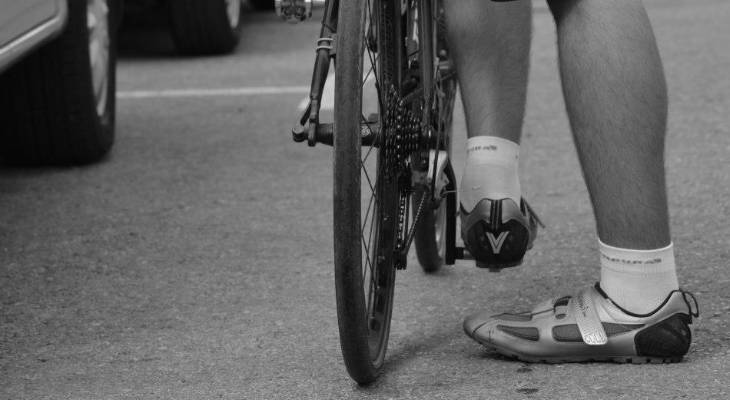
638 280
491 171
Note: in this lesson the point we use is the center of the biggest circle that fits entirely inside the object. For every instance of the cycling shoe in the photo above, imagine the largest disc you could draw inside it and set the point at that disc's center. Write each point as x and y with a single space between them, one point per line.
589 327
498 233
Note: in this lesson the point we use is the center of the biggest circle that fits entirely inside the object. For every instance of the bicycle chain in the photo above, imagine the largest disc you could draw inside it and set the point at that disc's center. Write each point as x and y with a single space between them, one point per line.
402 139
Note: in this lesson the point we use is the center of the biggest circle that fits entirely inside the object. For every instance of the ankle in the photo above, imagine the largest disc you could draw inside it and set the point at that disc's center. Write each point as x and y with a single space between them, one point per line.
491 171
638 280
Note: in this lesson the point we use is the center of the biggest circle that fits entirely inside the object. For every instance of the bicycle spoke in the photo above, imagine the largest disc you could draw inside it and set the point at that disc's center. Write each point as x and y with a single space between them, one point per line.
368 246
369 262
365 121
367 155
373 59
368 265
372 211
367 176
370 72
364 225
367 213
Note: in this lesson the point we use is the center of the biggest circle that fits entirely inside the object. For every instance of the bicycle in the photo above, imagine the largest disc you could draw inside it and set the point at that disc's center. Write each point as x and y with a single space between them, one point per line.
395 87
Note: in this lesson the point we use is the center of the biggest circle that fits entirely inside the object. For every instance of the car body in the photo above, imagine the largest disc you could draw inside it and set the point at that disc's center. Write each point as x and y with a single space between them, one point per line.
57 80
25 25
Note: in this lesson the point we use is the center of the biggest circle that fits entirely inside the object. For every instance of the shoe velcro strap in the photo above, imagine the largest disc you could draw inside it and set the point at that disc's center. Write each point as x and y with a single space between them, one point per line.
586 316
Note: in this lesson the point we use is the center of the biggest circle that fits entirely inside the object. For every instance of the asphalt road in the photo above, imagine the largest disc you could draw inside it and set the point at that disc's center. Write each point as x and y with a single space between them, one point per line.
196 263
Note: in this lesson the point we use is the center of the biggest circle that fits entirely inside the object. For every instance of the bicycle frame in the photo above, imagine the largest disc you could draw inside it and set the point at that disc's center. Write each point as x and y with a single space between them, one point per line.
309 128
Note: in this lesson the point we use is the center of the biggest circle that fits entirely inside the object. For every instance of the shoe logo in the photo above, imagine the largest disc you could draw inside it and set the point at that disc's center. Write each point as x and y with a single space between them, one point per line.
497 242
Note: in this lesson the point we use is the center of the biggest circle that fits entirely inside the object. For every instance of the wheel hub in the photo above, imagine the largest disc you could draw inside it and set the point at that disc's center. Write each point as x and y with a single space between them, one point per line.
233 9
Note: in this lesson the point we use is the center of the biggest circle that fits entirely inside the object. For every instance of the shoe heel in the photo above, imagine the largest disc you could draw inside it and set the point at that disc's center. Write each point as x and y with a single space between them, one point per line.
499 248
496 234
668 339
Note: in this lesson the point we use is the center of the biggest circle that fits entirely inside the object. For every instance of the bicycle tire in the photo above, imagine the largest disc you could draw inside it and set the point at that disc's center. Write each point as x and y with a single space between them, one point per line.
364 313
431 231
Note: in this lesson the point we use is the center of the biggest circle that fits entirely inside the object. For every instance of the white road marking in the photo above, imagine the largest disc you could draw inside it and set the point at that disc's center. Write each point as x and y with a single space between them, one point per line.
328 96
370 95
223 92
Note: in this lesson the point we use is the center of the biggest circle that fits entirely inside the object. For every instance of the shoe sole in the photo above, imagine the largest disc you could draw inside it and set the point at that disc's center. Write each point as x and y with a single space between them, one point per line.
564 360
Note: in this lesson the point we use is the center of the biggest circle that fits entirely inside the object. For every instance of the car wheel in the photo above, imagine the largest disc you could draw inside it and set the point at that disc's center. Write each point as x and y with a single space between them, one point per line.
263 4
57 106
205 26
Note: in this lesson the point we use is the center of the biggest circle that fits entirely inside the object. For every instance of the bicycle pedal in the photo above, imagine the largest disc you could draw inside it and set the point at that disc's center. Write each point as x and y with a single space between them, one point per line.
293 11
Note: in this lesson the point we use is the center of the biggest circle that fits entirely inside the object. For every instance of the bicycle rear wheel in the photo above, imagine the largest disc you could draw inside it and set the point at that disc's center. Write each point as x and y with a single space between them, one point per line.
368 189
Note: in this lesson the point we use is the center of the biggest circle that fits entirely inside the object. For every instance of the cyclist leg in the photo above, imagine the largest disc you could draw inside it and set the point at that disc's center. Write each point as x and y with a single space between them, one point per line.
490 43
616 98
617 104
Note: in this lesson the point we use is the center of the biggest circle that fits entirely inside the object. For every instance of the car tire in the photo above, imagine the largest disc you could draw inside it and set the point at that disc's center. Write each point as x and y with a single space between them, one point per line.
202 27
57 106
262 4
